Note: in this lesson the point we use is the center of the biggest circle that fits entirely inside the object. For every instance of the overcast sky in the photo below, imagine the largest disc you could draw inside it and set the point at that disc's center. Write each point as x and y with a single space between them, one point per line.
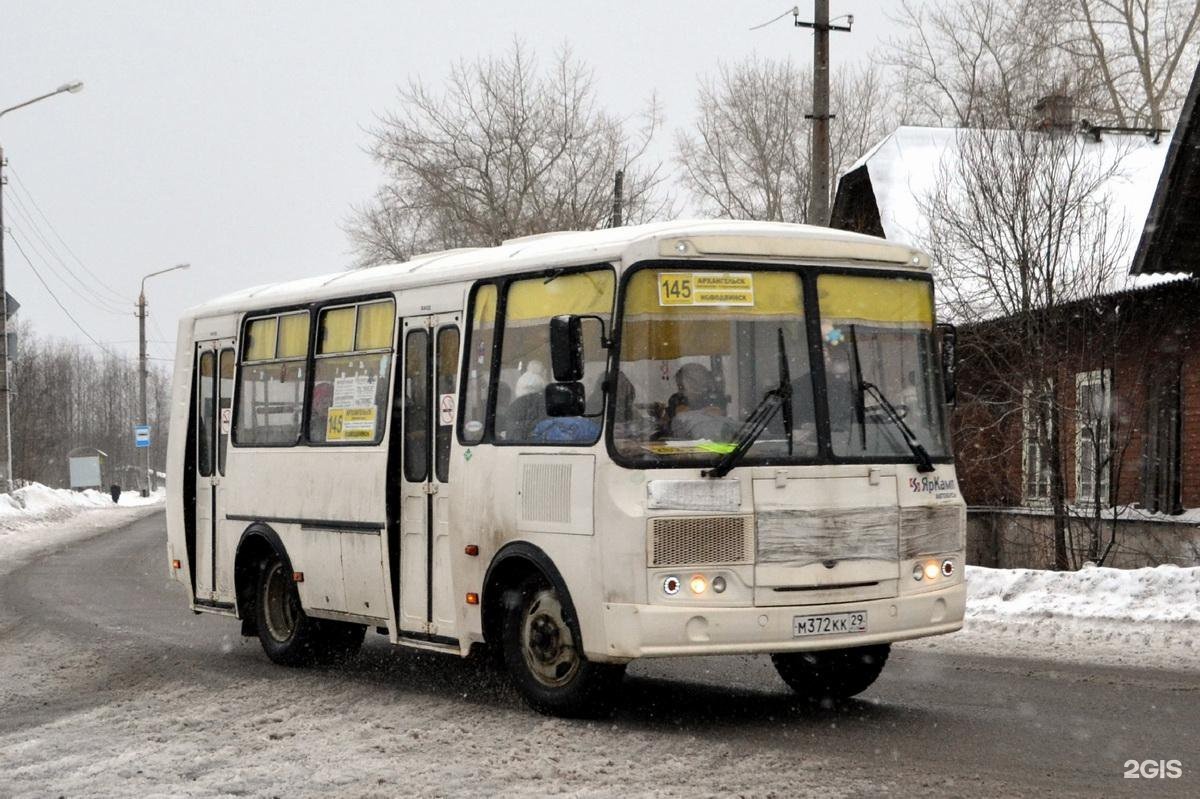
230 134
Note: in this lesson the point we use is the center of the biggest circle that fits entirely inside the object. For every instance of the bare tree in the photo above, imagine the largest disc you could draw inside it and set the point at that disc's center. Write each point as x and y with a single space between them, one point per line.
1142 51
1020 224
503 150
747 156
67 395
983 63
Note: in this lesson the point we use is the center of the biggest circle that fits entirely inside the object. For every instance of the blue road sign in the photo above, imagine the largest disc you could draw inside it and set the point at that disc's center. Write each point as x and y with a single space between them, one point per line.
141 435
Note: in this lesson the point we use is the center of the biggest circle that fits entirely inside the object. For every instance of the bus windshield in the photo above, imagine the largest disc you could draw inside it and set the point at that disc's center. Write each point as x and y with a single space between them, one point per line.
700 350
877 347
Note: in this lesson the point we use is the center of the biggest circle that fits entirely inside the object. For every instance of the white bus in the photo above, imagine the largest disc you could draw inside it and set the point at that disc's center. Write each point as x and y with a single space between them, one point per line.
579 449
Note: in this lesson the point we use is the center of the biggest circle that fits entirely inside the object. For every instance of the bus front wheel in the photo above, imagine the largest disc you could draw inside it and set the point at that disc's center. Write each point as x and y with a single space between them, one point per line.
288 635
833 673
543 655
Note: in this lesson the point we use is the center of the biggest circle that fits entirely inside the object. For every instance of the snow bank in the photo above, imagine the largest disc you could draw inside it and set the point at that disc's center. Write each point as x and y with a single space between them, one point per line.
1159 594
1121 617
36 518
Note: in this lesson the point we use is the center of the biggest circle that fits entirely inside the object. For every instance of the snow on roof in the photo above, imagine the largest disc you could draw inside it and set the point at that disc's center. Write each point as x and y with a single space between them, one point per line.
566 248
906 165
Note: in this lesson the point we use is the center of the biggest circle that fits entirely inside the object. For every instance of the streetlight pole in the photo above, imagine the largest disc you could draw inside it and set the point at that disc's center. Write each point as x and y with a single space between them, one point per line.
6 476
141 315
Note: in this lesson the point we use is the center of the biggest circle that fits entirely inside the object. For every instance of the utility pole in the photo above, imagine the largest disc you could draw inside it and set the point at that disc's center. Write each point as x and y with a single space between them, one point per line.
818 201
141 315
6 478
618 193
5 426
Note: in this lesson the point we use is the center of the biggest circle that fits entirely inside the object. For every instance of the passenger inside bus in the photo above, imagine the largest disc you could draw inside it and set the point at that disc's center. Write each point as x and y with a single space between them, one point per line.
696 410
528 407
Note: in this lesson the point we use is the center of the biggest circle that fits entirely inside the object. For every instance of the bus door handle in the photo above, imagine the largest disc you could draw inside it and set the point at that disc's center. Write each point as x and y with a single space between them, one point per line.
430 488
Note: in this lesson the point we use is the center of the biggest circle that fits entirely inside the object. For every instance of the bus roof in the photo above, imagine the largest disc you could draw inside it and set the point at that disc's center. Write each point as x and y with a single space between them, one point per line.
678 239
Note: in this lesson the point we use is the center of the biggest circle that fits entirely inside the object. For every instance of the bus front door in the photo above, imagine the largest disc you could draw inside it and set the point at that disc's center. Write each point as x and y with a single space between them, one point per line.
214 407
430 352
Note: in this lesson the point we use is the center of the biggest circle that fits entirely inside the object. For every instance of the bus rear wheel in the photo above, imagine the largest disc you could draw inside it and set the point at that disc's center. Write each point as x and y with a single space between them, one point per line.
543 655
288 635
833 673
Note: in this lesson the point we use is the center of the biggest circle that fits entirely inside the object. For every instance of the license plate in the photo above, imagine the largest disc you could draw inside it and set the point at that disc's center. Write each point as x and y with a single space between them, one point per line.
830 624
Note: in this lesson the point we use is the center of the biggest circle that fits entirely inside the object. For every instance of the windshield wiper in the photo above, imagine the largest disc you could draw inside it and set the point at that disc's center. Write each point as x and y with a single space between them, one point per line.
760 417
924 463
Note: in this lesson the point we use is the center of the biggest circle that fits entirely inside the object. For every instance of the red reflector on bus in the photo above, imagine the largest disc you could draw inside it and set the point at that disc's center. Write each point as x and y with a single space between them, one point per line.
297 577
472 549
176 565
472 599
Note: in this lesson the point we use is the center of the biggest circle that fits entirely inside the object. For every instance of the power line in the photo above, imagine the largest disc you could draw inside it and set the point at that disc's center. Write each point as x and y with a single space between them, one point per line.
84 292
78 260
54 297
793 10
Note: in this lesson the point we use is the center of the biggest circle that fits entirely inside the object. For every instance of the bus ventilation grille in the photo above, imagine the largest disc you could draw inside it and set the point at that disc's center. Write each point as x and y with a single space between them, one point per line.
701 540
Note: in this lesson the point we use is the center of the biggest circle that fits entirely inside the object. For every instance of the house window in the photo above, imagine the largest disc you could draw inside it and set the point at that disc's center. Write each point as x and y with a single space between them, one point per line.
1160 460
1093 404
1038 428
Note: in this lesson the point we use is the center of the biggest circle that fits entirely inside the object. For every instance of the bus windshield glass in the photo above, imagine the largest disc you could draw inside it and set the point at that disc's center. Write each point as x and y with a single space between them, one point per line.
878 349
699 352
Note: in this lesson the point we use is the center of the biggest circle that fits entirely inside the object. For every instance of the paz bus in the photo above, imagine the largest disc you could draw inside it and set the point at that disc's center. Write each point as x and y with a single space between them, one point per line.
577 449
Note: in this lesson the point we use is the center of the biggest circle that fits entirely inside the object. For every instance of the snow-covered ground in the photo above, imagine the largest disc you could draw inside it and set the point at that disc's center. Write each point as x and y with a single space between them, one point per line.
36 518
1132 617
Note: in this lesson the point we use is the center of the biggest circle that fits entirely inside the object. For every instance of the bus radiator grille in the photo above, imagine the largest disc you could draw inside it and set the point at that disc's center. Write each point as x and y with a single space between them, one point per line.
701 540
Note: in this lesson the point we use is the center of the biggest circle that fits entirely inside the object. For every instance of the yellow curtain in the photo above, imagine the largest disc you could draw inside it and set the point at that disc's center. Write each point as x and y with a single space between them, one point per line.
375 325
293 335
485 306
337 331
260 339
536 300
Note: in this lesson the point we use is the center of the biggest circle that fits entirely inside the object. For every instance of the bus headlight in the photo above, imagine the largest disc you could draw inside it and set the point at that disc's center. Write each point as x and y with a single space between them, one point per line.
698 584
718 585
918 571
671 585
947 568
932 569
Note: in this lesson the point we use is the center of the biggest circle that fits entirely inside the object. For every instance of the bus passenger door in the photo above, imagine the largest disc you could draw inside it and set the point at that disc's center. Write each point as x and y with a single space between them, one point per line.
430 368
214 405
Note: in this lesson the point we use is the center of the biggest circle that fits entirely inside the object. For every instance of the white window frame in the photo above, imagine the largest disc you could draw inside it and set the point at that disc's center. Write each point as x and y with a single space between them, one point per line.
1032 454
1086 380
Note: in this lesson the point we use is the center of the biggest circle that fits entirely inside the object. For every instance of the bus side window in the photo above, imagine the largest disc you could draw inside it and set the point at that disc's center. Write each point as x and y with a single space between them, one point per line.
416 406
447 372
271 381
348 398
525 356
477 365
205 416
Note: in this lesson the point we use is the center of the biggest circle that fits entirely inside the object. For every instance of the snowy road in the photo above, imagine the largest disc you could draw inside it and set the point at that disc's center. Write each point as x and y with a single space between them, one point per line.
108 686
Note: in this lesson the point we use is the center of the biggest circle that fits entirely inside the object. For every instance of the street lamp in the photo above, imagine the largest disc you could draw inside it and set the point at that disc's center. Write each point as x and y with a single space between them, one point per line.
5 425
141 314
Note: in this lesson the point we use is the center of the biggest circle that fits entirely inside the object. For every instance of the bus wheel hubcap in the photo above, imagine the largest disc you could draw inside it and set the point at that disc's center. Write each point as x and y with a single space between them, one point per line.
549 647
281 604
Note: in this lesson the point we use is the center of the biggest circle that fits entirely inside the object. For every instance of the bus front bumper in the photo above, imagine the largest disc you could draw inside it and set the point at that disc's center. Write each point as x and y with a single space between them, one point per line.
661 630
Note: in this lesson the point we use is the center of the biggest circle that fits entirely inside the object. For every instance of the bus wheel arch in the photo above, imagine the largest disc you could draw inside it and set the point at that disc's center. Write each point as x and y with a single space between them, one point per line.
511 566
531 624
258 544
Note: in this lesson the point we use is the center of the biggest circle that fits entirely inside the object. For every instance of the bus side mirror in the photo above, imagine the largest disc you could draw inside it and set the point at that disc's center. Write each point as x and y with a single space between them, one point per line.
566 349
565 399
948 340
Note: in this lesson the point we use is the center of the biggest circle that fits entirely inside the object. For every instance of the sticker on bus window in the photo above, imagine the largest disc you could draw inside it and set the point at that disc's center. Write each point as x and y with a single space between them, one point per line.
355 391
705 288
350 424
